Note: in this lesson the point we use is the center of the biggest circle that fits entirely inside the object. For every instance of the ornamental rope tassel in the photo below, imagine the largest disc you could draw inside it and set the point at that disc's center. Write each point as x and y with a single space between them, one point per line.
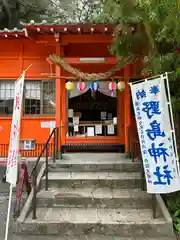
89 76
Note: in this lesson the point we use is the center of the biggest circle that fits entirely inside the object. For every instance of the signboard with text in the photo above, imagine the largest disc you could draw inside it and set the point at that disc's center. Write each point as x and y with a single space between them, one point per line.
156 136
13 154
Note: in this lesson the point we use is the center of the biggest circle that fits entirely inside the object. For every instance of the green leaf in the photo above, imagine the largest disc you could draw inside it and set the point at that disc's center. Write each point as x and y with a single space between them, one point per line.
177 213
177 227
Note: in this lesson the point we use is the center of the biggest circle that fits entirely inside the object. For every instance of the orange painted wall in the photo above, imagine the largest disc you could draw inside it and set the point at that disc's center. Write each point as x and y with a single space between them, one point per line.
30 129
17 55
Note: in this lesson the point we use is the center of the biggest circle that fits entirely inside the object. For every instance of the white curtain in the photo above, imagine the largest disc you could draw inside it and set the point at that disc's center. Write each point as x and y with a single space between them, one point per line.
6 91
104 88
32 90
75 91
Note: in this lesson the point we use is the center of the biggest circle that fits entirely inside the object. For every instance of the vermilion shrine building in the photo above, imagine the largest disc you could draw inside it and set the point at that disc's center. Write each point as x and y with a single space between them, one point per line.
103 118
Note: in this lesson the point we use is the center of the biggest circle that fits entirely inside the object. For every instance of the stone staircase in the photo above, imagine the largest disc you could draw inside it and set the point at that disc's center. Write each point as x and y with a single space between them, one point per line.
96 196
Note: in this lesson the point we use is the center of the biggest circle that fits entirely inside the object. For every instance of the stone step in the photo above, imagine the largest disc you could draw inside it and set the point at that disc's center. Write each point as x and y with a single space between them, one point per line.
94 197
89 179
121 165
95 156
84 237
111 222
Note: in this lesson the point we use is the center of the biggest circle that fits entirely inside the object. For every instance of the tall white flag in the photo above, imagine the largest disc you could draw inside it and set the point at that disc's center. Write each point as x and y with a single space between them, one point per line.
156 136
12 161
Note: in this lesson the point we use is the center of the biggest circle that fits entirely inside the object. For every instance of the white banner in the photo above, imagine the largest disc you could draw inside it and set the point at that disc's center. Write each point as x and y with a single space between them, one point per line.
156 136
12 161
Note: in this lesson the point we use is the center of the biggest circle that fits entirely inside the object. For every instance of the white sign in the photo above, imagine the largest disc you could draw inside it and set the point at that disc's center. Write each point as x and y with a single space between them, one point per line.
70 113
75 120
103 115
98 129
12 161
156 136
110 129
51 124
76 128
90 131
45 125
115 120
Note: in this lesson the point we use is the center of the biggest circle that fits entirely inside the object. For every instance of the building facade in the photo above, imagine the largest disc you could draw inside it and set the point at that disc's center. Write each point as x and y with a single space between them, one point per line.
84 116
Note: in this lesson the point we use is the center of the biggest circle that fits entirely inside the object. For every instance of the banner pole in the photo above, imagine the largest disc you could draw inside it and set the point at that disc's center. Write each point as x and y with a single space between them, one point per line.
9 211
172 121
27 68
11 185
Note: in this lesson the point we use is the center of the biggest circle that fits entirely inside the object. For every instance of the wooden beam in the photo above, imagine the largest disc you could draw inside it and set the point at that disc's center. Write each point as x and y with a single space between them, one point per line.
84 38
108 60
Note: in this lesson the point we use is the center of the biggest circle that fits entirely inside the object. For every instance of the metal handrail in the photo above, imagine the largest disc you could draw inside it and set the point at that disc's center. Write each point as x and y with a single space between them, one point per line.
34 170
42 152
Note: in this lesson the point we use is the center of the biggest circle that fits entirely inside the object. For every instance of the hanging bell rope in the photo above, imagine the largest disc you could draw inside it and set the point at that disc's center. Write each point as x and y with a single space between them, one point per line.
89 76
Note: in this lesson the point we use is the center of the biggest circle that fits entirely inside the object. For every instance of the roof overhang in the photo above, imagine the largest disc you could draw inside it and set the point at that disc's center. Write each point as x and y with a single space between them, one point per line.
35 29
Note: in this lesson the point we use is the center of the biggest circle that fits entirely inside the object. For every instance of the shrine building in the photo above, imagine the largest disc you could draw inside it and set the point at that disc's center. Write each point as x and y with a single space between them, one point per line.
82 97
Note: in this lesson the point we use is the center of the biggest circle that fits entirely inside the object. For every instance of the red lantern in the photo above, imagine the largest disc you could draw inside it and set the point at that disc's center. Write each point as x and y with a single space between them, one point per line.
112 87
81 86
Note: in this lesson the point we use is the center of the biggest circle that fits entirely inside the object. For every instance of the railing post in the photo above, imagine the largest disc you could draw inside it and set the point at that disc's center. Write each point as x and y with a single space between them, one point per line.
46 187
54 146
132 150
129 143
142 176
60 140
57 141
34 193
154 205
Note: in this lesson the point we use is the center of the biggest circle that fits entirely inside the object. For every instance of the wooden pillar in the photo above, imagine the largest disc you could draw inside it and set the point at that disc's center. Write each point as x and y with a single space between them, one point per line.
58 98
120 116
61 112
64 110
127 105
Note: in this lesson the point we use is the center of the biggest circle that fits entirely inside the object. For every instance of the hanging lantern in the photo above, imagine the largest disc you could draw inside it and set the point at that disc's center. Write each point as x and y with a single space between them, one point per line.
69 86
121 86
94 87
112 87
81 86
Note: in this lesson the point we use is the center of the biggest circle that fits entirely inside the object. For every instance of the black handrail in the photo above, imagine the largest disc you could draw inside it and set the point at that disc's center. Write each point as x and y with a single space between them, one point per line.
44 148
34 170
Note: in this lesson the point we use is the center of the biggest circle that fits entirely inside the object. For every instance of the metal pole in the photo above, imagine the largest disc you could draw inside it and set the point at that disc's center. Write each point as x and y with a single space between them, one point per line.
34 194
154 205
46 187
132 150
172 121
9 211
54 146
129 142
57 140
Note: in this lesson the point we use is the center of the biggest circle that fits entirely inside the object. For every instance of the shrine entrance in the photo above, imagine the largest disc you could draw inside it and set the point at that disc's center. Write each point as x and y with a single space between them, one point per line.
92 114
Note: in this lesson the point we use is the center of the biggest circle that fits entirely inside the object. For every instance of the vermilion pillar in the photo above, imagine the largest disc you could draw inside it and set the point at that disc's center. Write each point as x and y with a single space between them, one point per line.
61 111
120 116
127 105
58 97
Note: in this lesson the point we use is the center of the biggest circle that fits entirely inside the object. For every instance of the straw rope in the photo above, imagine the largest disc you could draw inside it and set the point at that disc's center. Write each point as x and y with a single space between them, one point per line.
88 76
